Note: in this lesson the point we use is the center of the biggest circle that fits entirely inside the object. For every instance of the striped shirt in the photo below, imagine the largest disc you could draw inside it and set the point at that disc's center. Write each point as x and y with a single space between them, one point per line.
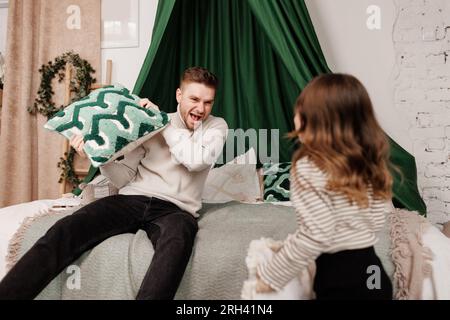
327 223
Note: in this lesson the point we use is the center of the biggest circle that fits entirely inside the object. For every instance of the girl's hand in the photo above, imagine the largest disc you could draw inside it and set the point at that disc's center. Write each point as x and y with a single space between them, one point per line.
145 103
275 247
261 286
77 143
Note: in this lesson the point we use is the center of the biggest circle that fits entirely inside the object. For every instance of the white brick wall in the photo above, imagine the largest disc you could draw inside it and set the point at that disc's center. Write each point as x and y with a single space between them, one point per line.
421 38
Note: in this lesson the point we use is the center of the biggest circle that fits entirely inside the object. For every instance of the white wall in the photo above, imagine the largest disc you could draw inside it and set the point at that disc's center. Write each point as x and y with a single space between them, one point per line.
127 62
422 93
406 70
350 47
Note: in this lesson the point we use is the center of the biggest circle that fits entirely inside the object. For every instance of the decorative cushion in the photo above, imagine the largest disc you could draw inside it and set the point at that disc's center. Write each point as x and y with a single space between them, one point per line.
261 251
237 180
111 122
276 178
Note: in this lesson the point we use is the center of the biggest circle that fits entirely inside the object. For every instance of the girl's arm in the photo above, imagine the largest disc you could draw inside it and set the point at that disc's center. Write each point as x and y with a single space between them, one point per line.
314 234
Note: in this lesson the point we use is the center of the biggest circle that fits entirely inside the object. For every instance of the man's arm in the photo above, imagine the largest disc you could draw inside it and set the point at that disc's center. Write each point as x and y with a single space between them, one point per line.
197 150
123 171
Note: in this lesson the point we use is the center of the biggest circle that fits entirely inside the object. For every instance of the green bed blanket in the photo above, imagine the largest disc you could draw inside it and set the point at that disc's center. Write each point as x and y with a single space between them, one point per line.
115 268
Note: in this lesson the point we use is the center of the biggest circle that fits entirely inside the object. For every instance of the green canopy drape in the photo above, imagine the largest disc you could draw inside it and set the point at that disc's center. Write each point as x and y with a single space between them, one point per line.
264 52
257 87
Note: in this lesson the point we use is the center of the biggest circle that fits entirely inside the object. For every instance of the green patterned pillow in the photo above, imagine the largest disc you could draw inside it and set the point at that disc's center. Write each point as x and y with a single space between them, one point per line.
111 122
276 181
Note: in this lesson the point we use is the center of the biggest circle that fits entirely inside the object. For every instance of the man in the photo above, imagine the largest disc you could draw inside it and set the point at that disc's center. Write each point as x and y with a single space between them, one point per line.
161 184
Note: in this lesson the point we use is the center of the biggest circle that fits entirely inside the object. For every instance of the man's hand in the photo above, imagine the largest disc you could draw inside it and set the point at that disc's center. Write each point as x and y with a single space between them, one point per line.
145 103
77 143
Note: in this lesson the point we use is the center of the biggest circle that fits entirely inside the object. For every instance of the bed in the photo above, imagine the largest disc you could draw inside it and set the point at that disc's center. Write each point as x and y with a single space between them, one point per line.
115 268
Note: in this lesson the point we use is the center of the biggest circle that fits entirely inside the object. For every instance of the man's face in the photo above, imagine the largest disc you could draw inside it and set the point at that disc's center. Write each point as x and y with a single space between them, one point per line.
196 101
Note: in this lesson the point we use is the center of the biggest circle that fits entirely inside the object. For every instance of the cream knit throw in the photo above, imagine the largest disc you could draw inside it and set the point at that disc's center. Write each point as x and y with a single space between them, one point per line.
261 251
410 257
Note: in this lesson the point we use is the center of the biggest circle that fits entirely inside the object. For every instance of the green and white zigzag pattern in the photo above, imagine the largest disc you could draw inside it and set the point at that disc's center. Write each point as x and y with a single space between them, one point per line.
109 119
277 181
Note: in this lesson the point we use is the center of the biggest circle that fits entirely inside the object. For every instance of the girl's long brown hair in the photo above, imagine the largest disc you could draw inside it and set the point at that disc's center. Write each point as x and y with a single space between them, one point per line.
340 134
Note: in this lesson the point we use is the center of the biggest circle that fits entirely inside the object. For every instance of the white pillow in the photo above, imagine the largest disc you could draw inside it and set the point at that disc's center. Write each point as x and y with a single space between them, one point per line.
237 180
260 252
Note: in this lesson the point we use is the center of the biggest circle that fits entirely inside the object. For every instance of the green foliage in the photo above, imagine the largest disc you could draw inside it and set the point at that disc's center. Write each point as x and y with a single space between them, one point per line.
80 85
67 171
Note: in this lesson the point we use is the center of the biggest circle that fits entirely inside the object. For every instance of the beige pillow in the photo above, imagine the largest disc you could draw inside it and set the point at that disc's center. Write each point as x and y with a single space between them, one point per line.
238 180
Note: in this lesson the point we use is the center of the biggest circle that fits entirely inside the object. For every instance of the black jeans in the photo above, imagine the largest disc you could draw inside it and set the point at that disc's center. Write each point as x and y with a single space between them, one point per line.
170 229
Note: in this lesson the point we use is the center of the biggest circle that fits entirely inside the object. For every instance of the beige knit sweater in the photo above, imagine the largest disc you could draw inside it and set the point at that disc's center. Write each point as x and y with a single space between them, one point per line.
173 165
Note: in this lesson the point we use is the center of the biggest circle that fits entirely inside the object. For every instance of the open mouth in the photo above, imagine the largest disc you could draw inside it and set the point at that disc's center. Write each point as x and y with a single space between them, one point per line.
195 117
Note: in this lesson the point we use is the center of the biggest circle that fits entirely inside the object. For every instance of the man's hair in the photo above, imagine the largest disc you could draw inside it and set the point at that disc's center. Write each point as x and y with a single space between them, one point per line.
199 75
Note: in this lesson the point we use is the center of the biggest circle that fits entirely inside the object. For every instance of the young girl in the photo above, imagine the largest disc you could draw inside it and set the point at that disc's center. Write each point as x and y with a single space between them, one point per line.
340 188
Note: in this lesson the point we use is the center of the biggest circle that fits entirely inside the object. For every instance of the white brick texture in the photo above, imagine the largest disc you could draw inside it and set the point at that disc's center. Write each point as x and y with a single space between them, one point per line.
421 38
